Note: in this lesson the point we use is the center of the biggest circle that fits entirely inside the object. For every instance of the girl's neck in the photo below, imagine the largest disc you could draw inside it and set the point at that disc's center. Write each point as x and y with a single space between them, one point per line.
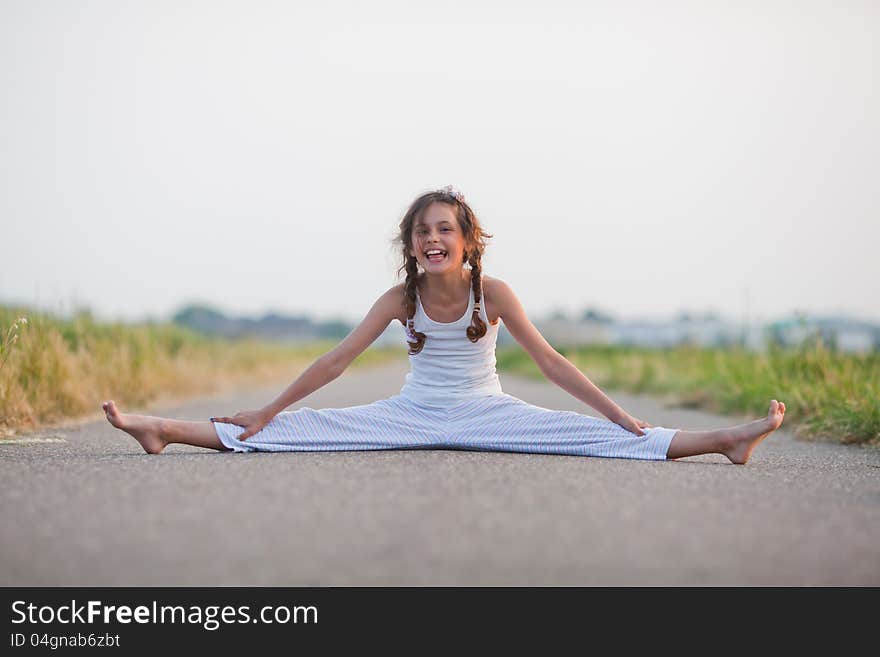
447 287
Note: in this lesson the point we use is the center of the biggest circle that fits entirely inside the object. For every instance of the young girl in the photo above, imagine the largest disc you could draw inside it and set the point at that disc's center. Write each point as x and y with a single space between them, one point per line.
452 397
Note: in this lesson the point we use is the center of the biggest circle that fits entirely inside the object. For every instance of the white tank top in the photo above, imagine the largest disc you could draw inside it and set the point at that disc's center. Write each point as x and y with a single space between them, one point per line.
450 369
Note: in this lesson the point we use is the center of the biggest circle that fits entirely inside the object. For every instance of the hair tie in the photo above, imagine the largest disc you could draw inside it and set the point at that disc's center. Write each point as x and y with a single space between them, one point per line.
410 332
453 192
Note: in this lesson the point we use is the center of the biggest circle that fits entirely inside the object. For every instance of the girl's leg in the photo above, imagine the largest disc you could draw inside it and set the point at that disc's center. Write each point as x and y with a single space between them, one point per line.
155 433
507 424
510 424
736 443
393 423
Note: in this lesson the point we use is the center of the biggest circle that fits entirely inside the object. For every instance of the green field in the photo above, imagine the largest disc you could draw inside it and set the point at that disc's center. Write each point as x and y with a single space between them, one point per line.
828 395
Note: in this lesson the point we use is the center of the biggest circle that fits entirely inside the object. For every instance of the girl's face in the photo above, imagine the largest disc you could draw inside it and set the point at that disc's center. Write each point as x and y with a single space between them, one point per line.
438 229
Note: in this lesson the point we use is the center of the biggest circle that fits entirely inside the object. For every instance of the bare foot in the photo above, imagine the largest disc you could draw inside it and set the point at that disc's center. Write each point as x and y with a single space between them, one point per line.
144 428
744 438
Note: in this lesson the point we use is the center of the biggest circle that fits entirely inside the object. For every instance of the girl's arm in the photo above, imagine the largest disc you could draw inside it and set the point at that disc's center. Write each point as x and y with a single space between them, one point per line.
334 363
556 367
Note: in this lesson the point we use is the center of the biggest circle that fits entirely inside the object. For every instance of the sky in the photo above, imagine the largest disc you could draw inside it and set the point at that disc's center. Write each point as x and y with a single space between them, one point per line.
640 158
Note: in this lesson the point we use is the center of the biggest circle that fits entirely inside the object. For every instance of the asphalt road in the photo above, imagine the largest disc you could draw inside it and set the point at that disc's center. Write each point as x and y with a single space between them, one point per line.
93 509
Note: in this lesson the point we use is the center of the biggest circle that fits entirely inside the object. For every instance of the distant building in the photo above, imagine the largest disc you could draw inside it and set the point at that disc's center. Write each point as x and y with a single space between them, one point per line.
710 330
842 333
646 333
565 332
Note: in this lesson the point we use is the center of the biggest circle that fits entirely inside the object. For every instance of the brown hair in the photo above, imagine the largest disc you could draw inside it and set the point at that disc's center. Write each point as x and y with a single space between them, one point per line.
475 244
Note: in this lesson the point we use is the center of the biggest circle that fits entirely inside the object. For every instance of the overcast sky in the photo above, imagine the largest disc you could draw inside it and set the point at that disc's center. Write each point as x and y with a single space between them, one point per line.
642 158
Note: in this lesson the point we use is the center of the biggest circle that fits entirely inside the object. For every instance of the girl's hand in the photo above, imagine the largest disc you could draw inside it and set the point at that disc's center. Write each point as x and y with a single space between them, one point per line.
252 421
632 425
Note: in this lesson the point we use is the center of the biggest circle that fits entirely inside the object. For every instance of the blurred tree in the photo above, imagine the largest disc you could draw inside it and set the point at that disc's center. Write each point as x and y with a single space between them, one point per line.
334 329
595 315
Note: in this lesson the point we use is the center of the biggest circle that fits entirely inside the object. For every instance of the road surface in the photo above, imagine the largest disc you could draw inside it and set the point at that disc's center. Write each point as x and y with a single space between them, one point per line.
93 509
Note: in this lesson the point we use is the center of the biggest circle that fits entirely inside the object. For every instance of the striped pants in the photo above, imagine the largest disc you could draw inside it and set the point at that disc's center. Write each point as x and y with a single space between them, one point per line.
498 423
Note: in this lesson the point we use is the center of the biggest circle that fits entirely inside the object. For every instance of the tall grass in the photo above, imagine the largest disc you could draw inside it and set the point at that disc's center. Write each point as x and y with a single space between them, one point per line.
54 369
57 369
828 395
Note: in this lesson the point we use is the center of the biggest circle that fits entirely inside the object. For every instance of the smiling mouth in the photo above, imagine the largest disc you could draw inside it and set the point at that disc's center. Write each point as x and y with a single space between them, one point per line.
437 257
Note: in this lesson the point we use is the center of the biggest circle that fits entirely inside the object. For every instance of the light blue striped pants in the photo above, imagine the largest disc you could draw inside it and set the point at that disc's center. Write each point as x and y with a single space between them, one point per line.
498 423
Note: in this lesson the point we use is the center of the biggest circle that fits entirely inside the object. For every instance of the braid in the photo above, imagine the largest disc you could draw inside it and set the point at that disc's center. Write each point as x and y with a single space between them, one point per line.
412 275
477 329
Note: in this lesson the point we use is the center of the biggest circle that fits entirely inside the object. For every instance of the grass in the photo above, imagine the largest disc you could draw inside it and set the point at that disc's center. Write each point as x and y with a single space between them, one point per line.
56 369
828 395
